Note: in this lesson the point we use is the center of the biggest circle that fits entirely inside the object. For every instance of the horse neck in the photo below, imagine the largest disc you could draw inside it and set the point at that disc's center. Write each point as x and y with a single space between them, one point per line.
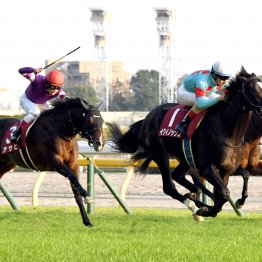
234 122
254 130
66 123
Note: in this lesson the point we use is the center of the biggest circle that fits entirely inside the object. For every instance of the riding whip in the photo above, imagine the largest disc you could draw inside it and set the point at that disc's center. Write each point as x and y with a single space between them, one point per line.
61 57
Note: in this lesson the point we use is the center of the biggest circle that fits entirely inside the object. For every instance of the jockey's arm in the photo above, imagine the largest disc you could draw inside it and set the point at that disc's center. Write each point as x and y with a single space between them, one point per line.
203 101
29 72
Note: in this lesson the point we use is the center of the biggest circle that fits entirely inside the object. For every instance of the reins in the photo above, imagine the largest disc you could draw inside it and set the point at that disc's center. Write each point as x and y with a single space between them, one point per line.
223 139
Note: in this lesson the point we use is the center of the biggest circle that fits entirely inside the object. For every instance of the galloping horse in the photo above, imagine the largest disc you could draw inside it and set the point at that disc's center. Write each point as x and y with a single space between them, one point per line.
51 143
215 143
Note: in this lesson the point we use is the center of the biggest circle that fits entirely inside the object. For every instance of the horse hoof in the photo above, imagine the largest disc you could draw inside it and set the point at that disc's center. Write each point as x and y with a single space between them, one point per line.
88 224
198 218
191 196
88 200
238 206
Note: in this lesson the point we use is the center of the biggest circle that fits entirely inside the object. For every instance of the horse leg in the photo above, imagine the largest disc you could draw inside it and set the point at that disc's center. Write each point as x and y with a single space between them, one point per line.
6 166
198 181
178 175
221 192
169 187
79 201
245 174
77 189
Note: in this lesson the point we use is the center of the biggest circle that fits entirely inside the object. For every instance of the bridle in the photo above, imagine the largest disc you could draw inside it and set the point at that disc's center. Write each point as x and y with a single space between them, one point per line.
87 132
256 109
81 130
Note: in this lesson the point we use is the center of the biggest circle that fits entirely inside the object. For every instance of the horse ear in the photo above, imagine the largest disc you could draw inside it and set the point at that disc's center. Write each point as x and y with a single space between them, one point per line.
101 102
84 104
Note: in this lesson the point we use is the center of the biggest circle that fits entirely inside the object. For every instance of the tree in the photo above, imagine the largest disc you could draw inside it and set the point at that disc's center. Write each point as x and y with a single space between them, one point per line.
86 92
144 85
120 96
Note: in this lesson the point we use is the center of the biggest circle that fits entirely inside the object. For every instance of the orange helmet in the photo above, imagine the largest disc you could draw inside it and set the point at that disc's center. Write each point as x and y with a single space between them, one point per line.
55 78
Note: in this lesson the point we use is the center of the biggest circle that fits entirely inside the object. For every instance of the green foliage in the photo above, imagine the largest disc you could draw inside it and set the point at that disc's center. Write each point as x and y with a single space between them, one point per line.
145 87
57 234
86 92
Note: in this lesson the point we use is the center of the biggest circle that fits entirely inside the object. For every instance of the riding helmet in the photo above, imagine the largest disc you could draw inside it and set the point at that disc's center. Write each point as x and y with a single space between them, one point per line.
221 69
55 78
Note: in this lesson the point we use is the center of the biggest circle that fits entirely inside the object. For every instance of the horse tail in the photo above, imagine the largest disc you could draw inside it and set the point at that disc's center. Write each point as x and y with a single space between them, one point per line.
127 142
144 160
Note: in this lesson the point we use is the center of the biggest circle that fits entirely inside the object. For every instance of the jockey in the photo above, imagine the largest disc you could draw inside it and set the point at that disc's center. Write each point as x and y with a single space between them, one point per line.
37 95
202 89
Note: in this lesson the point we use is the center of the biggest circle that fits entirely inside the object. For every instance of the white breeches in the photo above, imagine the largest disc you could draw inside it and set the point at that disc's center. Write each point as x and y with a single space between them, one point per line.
185 97
32 109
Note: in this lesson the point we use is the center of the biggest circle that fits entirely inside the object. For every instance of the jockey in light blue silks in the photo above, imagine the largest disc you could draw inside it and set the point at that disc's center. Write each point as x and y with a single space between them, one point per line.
202 89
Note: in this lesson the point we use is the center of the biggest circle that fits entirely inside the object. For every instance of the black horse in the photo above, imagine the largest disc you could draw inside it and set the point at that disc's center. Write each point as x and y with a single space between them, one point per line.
216 143
52 145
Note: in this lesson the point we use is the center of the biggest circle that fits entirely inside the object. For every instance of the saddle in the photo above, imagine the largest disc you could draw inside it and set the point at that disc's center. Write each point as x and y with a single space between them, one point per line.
176 115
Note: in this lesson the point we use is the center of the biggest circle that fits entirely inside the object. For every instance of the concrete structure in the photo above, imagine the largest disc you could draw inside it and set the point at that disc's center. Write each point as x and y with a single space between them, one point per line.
99 17
167 83
82 73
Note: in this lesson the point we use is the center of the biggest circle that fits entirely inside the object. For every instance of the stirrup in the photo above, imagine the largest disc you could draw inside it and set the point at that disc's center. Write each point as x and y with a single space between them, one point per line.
15 138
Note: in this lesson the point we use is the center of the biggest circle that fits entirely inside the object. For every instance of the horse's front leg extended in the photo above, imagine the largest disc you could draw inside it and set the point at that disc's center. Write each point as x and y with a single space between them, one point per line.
77 189
221 192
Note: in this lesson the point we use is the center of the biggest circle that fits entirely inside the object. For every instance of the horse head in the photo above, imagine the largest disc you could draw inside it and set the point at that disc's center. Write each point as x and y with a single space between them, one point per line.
92 126
249 88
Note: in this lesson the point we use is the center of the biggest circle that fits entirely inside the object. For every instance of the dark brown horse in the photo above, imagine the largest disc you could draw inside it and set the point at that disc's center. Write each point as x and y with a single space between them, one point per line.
216 143
250 156
52 143
250 160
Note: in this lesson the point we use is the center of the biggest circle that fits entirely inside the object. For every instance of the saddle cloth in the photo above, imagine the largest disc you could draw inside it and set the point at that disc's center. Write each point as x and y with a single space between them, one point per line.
7 146
176 115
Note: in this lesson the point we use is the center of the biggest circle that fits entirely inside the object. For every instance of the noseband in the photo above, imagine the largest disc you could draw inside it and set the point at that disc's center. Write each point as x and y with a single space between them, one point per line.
88 134
79 130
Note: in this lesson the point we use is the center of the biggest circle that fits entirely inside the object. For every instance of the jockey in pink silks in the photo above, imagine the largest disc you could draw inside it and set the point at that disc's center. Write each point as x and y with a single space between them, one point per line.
37 95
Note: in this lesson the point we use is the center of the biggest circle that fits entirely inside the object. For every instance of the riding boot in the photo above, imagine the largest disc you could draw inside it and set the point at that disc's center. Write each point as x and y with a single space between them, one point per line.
17 133
183 125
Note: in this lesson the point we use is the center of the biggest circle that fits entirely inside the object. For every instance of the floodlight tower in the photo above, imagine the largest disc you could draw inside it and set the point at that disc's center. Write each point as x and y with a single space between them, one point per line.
99 17
167 88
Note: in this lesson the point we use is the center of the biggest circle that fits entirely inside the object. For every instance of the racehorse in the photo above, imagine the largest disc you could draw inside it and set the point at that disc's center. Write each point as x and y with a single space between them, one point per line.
51 143
216 143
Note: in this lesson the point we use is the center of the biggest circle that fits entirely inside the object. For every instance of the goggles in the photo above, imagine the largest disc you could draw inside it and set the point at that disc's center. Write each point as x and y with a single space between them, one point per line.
52 87
223 77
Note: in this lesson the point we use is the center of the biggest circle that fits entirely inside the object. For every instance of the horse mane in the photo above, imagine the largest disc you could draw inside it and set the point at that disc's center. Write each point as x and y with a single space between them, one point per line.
58 104
235 83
